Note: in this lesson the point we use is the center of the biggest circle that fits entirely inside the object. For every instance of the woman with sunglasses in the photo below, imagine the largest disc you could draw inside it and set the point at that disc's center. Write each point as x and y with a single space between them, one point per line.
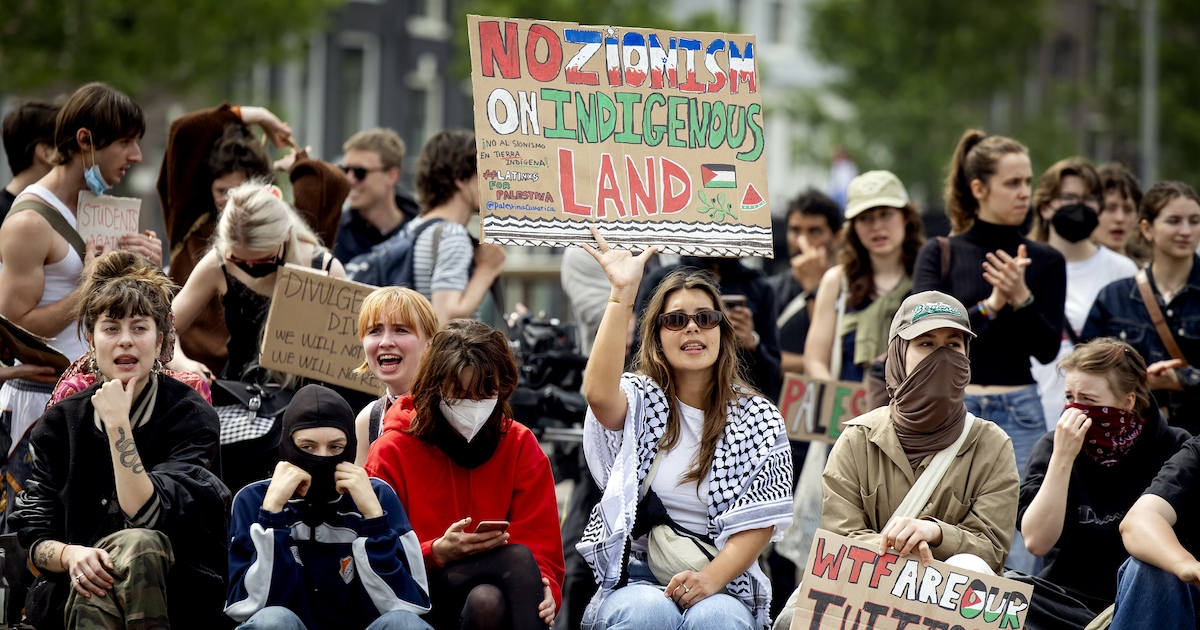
209 152
257 233
719 449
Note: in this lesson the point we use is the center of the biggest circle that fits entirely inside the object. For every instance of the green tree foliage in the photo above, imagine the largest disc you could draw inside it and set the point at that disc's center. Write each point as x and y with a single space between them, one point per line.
134 44
916 73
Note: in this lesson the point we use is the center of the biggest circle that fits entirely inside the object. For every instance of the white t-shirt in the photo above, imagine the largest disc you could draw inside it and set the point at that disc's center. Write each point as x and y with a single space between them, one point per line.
686 503
1085 279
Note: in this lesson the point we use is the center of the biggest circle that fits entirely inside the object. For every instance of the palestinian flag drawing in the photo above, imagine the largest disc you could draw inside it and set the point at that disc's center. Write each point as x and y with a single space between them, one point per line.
751 200
718 175
971 603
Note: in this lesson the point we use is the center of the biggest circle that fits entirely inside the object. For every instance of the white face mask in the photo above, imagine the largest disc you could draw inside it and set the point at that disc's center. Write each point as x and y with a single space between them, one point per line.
468 416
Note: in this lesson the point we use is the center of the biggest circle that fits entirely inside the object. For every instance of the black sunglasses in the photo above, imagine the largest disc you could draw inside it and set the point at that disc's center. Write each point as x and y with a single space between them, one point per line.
706 319
360 172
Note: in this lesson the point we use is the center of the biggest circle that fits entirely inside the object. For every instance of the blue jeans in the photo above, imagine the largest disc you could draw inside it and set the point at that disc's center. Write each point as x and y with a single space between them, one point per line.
642 605
1148 597
1021 416
280 618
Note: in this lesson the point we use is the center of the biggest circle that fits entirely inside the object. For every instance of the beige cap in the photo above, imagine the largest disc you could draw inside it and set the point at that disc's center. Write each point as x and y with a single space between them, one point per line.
872 190
926 311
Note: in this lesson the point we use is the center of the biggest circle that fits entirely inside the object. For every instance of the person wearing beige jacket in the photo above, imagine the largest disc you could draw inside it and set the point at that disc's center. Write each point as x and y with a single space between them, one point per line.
970 516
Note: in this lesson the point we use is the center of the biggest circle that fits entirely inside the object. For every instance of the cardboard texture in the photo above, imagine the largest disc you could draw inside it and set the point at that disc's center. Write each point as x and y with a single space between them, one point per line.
312 329
654 136
848 584
103 219
816 410
26 347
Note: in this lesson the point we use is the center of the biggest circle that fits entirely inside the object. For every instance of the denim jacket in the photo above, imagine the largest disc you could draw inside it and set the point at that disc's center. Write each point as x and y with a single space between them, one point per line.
1120 312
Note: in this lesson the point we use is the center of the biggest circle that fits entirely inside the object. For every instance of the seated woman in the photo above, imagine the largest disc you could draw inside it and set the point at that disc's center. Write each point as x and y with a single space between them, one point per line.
395 325
724 468
476 486
210 152
879 457
1109 444
123 507
256 234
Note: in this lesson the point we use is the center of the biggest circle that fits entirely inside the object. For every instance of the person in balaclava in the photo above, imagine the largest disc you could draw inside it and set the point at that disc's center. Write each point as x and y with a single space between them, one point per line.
320 544
968 520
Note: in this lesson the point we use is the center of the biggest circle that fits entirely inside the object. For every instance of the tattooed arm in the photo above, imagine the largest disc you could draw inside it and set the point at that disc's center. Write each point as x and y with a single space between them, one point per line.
134 489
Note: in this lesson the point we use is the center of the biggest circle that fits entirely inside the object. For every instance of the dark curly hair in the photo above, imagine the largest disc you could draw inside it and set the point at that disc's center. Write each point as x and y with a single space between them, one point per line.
447 158
237 150
122 283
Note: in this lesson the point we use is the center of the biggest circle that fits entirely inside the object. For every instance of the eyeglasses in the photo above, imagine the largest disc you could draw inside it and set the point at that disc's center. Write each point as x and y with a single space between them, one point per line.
706 319
360 172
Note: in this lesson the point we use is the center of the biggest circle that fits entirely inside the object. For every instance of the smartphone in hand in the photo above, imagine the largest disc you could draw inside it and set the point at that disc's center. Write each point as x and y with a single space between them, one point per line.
490 526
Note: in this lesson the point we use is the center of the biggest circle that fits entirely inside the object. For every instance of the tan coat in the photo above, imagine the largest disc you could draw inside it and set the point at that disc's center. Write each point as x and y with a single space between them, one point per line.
868 476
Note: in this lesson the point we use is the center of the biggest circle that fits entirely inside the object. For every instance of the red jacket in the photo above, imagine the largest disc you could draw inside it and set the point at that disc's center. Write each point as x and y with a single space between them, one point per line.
514 485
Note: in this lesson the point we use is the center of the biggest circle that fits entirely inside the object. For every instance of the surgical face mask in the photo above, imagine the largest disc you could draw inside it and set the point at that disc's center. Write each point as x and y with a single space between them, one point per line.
1075 222
468 416
93 178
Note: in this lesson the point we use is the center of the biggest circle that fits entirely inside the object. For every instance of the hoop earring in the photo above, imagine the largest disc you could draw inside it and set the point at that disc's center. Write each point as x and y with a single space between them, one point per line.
91 364
158 367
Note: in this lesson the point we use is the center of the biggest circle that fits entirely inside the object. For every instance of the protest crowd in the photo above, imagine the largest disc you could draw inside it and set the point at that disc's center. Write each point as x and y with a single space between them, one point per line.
1025 399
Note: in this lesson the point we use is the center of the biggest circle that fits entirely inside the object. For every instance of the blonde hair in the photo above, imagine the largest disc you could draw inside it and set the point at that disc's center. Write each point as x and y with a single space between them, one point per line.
385 142
386 305
256 219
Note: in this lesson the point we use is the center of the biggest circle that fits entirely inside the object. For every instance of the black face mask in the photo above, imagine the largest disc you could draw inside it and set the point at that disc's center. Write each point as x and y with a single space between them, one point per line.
312 407
259 270
1075 222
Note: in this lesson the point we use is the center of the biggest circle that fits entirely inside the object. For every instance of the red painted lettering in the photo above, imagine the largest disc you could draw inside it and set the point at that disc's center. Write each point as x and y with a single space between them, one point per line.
607 189
502 51
544 71
671 172
566 184
644 194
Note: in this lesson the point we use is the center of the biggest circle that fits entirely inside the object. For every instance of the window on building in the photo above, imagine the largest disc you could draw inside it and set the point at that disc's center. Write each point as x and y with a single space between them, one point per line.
775 23
350 94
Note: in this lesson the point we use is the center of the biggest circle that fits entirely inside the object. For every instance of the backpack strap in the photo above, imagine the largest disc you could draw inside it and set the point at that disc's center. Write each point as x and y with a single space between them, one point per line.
1156 316
56 221
437 238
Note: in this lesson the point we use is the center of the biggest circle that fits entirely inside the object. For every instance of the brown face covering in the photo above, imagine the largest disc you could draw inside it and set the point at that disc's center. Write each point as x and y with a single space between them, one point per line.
927 405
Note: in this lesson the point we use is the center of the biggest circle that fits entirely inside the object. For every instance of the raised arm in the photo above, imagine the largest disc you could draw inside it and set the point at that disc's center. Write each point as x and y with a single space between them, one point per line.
1042 518
602 377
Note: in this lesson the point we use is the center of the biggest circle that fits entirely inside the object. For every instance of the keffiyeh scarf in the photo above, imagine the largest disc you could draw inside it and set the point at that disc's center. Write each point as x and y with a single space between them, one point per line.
750 486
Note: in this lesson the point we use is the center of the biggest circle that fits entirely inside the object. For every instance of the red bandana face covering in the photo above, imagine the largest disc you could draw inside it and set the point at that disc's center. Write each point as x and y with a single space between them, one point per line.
1112 434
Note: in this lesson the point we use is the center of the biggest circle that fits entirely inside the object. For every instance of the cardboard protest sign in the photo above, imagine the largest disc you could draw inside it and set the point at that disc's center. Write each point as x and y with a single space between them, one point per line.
816 410
656 137
26 347
312 329
103 219
848 584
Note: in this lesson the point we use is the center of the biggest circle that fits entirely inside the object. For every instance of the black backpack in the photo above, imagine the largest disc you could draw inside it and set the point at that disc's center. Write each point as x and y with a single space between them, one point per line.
390 263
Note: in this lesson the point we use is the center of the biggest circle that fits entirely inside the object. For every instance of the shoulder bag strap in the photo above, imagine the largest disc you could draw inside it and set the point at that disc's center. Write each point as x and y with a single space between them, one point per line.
1156 316
945 244
56 221
919 494
835 357
650 473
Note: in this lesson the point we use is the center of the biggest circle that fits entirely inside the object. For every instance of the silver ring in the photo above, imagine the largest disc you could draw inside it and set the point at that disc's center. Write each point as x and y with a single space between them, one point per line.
79 578
686 589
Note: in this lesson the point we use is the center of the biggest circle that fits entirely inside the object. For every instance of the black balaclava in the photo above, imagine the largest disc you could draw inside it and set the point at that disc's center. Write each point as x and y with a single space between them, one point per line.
317 406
